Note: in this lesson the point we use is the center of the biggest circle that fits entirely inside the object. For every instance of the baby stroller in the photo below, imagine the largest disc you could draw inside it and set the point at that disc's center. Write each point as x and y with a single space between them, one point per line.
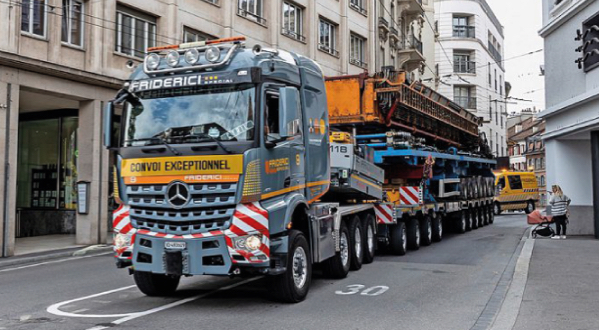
542 223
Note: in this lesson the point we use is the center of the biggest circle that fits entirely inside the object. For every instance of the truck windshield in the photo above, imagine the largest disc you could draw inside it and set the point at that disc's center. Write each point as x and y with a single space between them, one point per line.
190 115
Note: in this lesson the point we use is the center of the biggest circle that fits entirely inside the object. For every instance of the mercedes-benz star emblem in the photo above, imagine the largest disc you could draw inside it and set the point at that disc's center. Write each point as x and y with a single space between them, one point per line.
177 194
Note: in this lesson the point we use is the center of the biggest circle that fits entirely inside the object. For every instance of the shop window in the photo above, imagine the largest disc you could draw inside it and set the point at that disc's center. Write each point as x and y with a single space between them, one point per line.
47 160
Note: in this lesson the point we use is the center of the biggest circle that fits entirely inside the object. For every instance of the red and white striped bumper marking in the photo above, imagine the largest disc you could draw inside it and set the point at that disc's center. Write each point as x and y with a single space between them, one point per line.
249 219
121 224
410 195
384 213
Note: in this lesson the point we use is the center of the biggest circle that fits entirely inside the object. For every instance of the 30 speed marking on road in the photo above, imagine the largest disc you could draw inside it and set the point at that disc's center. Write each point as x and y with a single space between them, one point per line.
362 290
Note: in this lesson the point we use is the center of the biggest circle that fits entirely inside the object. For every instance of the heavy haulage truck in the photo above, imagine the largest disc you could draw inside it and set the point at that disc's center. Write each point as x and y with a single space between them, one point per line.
234 161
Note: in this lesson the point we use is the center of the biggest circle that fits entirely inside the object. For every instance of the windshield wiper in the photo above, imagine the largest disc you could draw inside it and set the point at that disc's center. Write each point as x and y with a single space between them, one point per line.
204 135
161 140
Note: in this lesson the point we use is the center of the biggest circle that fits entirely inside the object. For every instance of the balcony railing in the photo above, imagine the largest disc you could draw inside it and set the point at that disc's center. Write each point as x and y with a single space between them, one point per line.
251 16
464 31
358 6
383 22
465 102
328 49
358 62
293 34
413 43
464 66
495 53
394 32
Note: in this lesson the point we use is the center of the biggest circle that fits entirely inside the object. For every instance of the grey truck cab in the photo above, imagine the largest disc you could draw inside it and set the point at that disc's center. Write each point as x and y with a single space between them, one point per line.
220 153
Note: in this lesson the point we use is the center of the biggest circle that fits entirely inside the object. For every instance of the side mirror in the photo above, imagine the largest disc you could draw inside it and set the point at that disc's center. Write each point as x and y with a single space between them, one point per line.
289 123
107 125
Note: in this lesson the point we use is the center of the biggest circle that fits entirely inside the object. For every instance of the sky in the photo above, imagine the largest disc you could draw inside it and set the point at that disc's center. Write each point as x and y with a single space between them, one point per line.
522 19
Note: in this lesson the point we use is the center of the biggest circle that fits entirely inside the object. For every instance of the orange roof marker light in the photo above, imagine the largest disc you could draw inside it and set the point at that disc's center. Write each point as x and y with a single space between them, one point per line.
196 44
167 47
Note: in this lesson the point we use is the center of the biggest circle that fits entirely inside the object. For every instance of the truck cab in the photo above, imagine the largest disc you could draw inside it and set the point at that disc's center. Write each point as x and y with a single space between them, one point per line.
221 151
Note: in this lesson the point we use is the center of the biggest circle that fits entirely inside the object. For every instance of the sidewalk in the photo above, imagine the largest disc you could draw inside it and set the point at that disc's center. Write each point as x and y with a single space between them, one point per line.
562 291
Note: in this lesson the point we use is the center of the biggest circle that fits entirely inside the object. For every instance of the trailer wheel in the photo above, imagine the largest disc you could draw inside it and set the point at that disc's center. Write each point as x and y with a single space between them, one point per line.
490 214
530 206
293 285
156 285
437 224
369 239
356 243
474 218
496 208
462 224
399 239
485 214
413 234
426 231
468 219
338 265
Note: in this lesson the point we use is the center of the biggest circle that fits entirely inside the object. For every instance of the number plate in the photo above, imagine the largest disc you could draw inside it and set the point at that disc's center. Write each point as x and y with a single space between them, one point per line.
175 245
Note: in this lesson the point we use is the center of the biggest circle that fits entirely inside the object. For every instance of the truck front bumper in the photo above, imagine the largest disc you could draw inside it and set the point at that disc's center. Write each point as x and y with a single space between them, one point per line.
211 255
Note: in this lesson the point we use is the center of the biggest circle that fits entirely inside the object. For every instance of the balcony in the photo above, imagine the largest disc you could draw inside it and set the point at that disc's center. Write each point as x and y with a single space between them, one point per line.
410 54
358 6
293 35
383 24
465 102
251 16
464 67
464 31
495 54
394 34
358 62
411 7
329 50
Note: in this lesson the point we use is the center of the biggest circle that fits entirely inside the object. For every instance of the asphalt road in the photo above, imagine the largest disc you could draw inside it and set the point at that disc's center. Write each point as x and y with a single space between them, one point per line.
447 285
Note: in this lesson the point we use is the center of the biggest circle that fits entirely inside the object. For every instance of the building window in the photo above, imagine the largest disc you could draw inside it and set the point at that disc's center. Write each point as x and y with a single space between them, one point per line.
489 70
251 9
191 35
589 34
461 28
293 21
462 96
359 5
356 50
462 63
135 32
382 59
33 17
495 80
72 22
326 38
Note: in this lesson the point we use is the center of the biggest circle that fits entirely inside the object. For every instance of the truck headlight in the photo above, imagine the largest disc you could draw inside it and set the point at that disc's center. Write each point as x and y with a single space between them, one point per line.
122 240
212 54
152 61
172 58
192 56
248 243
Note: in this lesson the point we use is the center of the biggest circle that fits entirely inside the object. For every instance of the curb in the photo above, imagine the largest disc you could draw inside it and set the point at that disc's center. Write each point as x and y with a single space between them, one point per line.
65 253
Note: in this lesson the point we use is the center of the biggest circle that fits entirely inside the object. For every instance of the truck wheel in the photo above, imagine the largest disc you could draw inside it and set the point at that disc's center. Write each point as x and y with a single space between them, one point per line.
413 234
293 285
462 224
474 218
437 224
496 209
356 243
369 239
156 285
530 206
338 265
426 231
468 219
399 239
490 214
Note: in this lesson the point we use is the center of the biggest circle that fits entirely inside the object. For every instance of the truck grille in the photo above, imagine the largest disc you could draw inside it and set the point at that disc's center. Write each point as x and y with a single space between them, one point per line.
210 207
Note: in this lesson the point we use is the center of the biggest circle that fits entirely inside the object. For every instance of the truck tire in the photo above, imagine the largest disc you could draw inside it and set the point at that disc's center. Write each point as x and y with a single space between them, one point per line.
399 239
437 224
462 223
464 188
356 234
413 234
485 211
468 219
338 265
496 208
293 285
426 231
369 239
156 285
473 218
490 214
530 206
481 217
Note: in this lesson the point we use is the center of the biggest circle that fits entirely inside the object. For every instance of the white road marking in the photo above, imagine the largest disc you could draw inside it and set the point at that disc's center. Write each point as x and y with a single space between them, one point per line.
55 309
54 262
80 310
124 317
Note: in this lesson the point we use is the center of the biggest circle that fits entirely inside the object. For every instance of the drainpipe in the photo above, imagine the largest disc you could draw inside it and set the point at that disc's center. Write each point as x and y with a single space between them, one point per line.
6 176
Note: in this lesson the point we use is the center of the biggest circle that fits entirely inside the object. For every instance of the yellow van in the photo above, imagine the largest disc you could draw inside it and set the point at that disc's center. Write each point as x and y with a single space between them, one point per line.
515 191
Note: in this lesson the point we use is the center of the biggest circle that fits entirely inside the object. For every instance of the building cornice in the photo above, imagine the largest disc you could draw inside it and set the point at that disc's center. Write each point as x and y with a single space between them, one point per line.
574 102
33 65
565 16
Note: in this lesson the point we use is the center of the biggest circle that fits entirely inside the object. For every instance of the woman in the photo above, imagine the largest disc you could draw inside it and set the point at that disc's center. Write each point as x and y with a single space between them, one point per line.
559 209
